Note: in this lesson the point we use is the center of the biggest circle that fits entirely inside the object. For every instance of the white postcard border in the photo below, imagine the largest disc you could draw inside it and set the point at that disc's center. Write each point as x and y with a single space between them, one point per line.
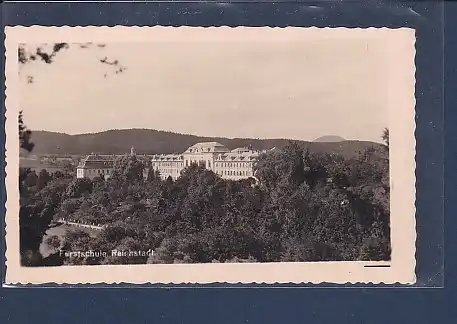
401 102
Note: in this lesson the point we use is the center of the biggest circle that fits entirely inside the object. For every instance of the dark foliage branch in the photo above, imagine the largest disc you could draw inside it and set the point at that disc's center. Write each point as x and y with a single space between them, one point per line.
24 135
46 57
39 54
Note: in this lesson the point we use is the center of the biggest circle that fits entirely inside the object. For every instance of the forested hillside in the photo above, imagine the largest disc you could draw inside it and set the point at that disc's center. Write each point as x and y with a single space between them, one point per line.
147 141
305 207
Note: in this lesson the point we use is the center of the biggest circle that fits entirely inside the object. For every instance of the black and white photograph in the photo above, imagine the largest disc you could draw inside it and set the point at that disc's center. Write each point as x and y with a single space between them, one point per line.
217 148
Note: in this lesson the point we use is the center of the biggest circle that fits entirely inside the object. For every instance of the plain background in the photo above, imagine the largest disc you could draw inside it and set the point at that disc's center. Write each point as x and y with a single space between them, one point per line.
315 305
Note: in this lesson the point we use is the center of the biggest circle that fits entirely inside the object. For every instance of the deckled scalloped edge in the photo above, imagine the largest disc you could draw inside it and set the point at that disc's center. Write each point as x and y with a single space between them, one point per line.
218 283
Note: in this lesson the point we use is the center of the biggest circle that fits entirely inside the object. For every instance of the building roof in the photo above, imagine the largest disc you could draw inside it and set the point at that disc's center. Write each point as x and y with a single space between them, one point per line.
239 154
241 150
167 157
206 147
96 157
95 161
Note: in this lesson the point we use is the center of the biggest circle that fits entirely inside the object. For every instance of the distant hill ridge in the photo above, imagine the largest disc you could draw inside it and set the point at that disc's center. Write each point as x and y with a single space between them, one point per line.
329 138
149 141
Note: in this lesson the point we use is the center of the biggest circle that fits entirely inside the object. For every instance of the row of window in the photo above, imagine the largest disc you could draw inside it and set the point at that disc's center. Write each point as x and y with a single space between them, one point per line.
204 163
199 150
208 163
170 164
233 165
221 173
98 171
168 171
234 173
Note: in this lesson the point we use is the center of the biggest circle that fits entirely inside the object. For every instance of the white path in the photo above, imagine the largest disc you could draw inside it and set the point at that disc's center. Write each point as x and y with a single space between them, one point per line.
94 227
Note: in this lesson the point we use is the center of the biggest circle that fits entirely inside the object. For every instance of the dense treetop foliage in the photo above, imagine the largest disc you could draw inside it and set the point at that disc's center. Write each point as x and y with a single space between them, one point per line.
304 207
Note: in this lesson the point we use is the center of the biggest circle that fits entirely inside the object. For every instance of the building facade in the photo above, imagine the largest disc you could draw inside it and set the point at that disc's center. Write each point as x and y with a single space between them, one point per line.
234 165
95 166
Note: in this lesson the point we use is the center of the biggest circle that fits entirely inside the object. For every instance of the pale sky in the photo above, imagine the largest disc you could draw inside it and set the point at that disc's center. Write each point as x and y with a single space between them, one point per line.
289 89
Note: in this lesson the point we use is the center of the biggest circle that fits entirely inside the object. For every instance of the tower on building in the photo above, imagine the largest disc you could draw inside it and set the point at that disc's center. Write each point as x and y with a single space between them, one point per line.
132 151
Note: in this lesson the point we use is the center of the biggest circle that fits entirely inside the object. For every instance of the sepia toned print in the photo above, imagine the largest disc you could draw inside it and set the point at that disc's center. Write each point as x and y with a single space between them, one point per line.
201 155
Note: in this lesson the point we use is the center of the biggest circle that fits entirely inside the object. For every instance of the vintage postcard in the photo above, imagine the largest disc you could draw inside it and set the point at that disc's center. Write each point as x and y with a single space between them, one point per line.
210 155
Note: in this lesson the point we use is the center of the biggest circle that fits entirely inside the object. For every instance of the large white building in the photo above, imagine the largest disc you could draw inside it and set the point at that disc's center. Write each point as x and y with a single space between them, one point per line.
234 165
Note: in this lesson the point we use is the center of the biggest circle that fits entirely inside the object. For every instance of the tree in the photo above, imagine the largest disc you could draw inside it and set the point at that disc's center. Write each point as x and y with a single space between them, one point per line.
385 136
24 135
31 178
38 53
128 168
128 251
76 241
43 179
53 242
31 226
153 176
79 187
116 232
285 167
68 207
